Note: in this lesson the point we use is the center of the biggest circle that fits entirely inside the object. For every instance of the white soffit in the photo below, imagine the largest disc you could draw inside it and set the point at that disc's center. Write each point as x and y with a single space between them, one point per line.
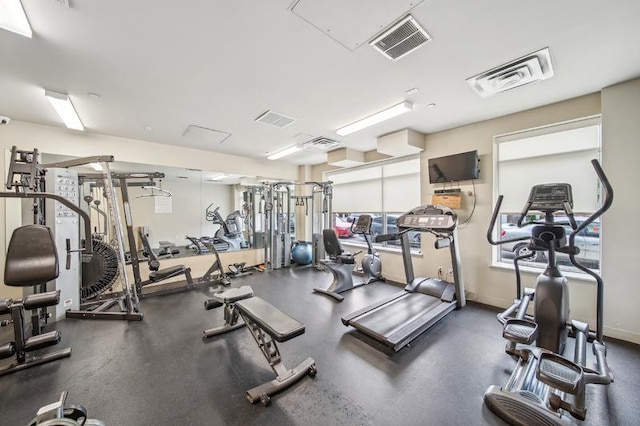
345 157
205 135
351 23
530 68
402 143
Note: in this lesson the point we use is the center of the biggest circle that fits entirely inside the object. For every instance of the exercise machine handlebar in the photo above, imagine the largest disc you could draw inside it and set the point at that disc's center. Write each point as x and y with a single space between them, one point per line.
606 204
88 250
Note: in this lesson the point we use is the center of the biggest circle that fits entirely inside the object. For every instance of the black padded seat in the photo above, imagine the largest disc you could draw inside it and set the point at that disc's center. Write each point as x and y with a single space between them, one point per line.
273 321
32 257
233 294
166 273
334 249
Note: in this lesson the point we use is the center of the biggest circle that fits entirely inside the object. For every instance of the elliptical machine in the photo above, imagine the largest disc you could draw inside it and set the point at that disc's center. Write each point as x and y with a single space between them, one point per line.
371 264
545 386
230 230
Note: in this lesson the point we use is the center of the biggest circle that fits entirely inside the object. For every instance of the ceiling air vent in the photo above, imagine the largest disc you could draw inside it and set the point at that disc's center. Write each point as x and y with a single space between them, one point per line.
403 37
275 119
321 144
528 69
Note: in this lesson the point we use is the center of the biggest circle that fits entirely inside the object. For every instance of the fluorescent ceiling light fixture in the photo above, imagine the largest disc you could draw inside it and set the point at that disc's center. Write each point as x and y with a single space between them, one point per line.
376 118
63 106
288 151
218 177
13 18
96 166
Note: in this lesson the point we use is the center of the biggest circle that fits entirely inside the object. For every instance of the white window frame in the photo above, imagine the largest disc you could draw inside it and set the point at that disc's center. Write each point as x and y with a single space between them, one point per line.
381 247
528 133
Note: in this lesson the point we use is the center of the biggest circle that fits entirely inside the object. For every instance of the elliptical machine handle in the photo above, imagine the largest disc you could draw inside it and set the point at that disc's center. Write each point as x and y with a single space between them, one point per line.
492 225
606 204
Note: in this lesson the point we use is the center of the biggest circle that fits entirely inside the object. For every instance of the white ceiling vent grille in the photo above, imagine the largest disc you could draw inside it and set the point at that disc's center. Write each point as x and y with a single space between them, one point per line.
528 69
275 119
402 38
321 144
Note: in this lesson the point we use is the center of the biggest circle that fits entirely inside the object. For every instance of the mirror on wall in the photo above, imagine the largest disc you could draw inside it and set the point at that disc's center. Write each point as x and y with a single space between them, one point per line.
175 211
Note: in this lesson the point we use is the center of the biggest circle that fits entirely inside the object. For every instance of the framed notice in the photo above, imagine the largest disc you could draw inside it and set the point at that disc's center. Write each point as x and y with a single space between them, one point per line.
163 204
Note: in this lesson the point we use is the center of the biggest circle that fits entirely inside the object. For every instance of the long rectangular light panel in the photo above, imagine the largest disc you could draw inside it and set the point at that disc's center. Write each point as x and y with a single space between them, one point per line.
63 106
287 151
13 18
376 118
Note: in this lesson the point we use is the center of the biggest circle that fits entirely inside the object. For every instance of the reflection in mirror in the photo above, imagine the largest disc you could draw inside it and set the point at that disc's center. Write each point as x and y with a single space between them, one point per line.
177 206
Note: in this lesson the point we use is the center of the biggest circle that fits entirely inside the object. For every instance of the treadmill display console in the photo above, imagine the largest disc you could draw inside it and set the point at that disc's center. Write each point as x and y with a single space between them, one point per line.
427 219
550 197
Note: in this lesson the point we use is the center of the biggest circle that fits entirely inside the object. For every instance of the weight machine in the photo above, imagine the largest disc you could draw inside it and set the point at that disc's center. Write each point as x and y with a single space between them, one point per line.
29 178
279 217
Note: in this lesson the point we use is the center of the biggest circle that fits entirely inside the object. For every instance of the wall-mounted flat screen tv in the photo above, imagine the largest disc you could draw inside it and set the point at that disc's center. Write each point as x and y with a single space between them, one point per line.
454 168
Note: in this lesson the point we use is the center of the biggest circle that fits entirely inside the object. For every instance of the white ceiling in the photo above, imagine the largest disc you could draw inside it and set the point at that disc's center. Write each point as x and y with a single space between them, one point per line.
220 64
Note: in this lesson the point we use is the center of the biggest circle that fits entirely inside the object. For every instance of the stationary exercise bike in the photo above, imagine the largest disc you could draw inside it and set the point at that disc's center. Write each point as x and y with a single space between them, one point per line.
230 230
545 386
371 264
342 263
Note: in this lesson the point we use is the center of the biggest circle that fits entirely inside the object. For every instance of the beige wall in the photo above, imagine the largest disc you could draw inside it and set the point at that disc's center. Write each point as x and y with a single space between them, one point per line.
27 136
620 106
620 235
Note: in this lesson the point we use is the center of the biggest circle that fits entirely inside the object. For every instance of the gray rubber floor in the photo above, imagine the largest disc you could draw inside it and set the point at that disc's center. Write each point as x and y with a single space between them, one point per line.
161 372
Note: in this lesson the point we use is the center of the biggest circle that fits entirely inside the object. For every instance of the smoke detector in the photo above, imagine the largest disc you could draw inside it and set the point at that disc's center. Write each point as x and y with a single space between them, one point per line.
400 39
321 144
533 67
275 119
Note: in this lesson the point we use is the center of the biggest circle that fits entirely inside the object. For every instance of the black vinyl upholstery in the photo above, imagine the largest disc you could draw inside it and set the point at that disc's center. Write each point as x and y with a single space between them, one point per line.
272 320
32 257
331 243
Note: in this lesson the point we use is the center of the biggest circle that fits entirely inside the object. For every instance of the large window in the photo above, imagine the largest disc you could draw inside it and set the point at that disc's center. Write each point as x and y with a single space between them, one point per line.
553 154
384 190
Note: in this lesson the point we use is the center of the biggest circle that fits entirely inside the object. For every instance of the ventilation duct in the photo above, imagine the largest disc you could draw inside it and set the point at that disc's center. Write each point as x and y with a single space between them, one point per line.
528 69
402 143
321 144
275 119
345 157
402 38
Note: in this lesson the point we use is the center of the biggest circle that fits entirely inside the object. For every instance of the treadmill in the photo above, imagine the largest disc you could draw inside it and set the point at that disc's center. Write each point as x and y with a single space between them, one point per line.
400 318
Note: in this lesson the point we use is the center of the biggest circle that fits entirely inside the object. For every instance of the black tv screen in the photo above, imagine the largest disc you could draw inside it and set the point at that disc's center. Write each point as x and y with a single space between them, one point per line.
453 168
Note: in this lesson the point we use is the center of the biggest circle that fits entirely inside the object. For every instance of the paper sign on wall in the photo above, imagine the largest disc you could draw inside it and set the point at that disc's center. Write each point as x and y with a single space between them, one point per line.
163 204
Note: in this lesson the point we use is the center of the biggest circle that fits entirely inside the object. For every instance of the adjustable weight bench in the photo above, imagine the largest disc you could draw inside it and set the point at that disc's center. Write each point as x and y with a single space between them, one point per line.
267 325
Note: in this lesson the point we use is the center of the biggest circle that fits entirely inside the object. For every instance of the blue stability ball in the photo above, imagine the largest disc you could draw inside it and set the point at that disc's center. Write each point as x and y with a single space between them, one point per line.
301 253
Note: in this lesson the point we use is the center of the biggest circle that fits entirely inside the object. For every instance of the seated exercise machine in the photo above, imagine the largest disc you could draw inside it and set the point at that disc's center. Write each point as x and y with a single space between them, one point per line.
371 264
157 275
341 263
32 259
400 318
59 414
267 325
545 386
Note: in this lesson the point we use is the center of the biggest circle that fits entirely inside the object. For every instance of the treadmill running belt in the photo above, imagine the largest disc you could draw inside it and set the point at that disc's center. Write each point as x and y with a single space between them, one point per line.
386 320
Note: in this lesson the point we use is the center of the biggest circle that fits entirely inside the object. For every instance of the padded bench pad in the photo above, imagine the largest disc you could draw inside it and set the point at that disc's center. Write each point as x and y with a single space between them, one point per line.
166 272
273 321
233 294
